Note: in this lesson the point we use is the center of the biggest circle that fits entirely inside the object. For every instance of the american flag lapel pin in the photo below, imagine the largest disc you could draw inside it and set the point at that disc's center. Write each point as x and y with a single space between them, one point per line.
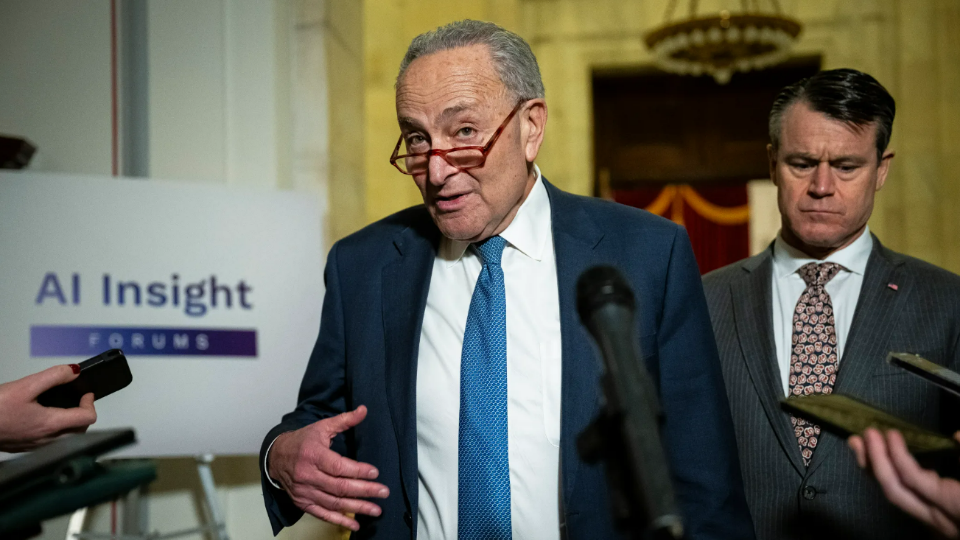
893 286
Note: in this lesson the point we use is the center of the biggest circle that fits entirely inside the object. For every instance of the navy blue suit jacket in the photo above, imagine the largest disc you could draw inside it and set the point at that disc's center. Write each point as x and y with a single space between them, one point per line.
366 354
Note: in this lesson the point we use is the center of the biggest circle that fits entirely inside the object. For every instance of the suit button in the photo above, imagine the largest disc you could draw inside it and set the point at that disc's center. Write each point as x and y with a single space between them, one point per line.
809 493
408 519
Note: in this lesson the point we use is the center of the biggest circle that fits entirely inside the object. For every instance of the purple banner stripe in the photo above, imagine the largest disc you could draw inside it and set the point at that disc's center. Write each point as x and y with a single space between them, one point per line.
155 341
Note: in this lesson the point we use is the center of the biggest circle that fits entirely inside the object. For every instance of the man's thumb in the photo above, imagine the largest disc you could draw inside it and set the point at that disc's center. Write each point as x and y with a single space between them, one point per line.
349 419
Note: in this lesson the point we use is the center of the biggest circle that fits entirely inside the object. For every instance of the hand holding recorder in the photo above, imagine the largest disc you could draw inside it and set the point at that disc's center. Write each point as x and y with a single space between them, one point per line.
920 492
917 491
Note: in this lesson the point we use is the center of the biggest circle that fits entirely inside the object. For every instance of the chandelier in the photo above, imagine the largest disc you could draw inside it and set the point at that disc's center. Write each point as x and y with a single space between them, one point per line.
722 44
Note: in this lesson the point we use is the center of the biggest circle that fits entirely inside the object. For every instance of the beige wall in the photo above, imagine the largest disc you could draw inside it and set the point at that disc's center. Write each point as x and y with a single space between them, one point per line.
908 46
342 24
56 92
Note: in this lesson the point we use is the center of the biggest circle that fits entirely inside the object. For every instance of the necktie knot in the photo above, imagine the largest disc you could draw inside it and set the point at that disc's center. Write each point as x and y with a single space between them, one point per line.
819 274
491 250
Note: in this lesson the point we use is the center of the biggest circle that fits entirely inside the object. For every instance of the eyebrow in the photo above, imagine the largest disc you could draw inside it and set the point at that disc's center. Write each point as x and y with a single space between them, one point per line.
853 158
809 157
412 123
409 123
453 110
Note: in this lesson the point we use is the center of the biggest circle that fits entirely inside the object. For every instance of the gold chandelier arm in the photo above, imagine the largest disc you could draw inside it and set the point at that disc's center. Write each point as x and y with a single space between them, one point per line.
671 8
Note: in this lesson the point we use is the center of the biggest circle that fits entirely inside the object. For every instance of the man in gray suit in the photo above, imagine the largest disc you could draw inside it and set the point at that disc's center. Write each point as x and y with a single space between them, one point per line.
819 310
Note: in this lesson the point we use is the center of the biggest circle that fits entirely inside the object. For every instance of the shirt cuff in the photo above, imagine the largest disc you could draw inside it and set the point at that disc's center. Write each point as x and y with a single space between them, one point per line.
266 470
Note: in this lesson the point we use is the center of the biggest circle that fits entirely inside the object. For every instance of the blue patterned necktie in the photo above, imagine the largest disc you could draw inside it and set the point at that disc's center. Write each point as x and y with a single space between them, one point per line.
484 466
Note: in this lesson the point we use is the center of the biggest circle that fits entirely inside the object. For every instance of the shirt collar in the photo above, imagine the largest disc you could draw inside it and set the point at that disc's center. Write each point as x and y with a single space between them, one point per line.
853 258
528 232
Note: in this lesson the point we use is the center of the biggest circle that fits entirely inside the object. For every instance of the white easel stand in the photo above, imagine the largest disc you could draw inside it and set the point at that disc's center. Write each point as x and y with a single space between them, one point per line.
134 522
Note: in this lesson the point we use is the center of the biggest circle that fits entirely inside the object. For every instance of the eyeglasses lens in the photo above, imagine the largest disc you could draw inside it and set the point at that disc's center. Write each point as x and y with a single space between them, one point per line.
462 159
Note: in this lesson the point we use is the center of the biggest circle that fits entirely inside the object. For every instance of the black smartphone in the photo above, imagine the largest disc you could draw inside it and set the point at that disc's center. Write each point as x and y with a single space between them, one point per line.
103 375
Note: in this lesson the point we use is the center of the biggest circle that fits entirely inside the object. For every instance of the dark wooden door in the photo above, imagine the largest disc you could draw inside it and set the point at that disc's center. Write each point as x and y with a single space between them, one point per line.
653 130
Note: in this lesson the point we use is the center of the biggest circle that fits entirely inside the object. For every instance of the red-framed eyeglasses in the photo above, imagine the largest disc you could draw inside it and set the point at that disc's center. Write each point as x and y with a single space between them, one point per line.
462 157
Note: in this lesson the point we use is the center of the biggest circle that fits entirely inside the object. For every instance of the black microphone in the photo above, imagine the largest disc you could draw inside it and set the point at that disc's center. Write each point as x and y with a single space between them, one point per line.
626 435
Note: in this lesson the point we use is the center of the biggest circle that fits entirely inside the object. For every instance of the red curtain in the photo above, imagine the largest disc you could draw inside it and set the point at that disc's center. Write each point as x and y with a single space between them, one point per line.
716 217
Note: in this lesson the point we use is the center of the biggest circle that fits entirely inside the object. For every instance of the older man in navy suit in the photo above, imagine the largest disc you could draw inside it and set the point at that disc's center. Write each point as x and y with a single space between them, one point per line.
452 376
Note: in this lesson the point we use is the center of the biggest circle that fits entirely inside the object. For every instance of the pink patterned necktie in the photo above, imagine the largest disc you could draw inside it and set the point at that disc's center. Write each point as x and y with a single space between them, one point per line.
813 359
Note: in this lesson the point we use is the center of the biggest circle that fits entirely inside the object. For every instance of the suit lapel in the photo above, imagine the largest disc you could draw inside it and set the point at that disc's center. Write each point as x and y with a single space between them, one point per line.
877 313
405 282
575 237
753 317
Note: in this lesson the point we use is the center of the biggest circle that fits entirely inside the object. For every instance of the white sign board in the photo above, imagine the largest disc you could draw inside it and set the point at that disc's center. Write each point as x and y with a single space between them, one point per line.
213 293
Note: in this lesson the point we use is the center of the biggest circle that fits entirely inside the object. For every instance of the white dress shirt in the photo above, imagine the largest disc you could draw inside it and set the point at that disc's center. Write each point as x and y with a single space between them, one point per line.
844 291
533 376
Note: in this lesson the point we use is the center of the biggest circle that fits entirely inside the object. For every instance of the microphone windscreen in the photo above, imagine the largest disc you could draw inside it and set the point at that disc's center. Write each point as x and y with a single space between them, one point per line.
602 285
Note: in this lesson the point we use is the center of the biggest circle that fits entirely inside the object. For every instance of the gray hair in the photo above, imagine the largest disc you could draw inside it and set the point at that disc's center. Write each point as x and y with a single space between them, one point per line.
512 57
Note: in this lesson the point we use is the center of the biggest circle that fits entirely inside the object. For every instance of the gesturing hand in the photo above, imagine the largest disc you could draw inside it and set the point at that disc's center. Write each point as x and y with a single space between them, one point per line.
919 492
321 482
25 424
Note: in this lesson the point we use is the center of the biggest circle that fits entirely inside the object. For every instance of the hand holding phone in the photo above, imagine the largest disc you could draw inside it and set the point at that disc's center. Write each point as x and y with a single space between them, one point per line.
101 375
25 424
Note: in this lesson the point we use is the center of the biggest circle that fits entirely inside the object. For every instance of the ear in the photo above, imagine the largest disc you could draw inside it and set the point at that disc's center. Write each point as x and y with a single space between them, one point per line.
533 120
883 168
772 163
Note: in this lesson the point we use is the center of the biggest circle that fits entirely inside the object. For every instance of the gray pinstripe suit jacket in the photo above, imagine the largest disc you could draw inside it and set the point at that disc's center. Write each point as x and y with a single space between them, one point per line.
832 498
